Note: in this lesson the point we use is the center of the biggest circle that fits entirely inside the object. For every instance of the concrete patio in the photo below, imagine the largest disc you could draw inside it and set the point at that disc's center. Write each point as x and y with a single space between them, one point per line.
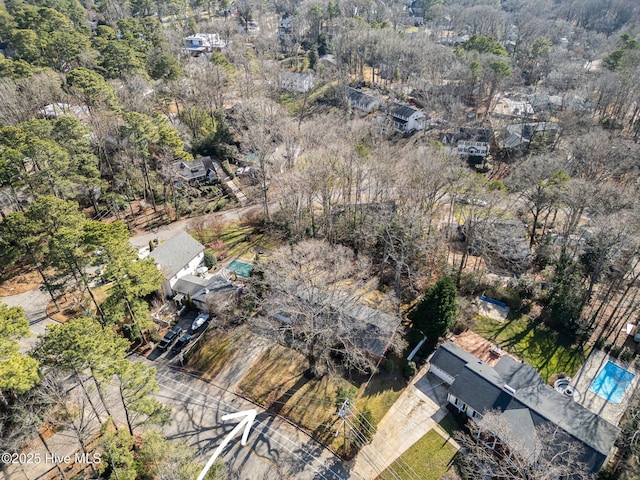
584 377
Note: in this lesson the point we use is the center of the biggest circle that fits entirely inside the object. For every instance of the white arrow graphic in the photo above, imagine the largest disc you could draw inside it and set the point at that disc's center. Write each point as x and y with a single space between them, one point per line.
246 422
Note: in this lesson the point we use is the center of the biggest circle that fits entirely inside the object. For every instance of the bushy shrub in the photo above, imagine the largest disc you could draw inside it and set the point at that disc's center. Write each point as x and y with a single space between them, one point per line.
525 286
209 258
459 327
154 335
388 365
345 393
626 355
507 295
437 311
366 425
409 369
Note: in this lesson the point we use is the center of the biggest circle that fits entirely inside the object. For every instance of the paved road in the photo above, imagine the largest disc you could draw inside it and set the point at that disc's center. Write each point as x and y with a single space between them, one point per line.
165 232
34 302
276 449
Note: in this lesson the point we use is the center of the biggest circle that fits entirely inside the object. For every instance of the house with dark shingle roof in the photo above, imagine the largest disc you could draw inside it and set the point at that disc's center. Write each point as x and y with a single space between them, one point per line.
405 119
195 171
202 291
470 142
179 256
523 400
520 136
502 243
361 101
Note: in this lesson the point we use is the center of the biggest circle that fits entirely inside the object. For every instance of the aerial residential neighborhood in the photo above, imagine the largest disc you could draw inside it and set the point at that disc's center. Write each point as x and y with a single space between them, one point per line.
320 240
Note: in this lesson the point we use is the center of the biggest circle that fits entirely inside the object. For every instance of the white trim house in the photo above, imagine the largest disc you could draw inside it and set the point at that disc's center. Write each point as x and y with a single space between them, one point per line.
522 399
179 256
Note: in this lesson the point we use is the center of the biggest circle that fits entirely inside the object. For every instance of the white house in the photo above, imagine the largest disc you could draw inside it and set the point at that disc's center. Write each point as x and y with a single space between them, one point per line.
470 142
406 119
517 393
286 26
203 42
56 110
362 101
296 82
177 257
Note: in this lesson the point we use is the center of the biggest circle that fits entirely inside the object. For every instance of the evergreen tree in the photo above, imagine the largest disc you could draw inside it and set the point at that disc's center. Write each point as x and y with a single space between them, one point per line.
138 385
437 310
18 373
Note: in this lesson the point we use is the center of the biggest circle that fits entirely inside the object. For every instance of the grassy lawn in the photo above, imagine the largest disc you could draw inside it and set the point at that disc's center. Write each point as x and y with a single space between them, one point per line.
216 350
534 343
381 393
274 376
240 240
313 407
277 381
429 458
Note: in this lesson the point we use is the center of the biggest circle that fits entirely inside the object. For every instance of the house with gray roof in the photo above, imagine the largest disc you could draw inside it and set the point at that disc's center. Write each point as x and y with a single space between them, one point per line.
194 172
520 136
405 119
201 290
179 256
502 243
369 329
470 142
361 101
297 82
523 400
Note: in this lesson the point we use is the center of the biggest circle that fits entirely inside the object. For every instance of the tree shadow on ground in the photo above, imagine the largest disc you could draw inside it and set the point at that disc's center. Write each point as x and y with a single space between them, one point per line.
278 404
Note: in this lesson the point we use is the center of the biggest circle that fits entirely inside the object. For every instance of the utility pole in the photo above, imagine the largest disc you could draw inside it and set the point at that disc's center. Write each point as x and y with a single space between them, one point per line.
342 413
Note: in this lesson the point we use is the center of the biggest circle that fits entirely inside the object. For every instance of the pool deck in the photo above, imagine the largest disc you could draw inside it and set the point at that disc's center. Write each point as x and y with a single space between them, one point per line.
598 405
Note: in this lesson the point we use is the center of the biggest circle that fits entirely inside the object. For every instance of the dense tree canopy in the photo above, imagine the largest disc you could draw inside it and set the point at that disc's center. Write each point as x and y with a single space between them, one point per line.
97 115
18 372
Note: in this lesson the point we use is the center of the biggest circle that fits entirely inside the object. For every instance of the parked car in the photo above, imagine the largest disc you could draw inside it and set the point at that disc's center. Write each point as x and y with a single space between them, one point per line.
199 321
170 337
181 343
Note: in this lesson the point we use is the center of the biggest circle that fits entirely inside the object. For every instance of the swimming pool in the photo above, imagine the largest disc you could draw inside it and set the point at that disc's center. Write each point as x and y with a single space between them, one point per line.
242 269
611 382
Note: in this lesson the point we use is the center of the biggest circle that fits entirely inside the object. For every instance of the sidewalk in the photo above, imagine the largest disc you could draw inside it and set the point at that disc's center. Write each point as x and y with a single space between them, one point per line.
417 411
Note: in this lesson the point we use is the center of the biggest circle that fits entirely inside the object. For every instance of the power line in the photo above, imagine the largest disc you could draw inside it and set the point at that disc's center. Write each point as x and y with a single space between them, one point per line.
403 464
255 422
264 425
379 465
373 428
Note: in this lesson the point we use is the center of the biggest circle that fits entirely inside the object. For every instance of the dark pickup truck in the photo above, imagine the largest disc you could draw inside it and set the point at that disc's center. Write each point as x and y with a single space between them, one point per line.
180 344
170 337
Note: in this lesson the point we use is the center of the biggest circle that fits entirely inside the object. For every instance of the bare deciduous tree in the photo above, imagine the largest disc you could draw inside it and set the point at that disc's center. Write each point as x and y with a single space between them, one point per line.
312 299
494 448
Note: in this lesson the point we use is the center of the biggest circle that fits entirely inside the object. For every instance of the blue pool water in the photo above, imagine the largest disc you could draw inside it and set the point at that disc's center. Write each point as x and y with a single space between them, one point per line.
611 382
